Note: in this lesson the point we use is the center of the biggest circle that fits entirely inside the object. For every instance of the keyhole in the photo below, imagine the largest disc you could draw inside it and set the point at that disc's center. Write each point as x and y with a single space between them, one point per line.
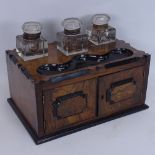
102 97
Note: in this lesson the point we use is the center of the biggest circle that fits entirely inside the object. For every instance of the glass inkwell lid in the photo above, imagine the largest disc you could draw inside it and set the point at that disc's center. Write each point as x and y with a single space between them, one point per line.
32 30
101 20
73 40
31 44
100 31
72 26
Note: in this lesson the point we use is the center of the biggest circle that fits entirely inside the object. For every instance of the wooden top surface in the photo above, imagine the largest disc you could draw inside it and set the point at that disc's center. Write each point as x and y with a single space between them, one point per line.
57 57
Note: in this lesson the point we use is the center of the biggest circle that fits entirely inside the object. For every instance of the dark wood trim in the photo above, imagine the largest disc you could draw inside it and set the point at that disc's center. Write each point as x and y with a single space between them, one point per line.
146 73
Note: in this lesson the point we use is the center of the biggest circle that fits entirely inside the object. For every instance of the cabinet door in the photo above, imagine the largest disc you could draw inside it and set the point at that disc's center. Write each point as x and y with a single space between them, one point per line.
69 105
120 91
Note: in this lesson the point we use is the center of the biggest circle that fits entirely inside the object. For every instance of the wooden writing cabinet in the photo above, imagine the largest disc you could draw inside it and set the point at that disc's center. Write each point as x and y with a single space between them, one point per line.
54 104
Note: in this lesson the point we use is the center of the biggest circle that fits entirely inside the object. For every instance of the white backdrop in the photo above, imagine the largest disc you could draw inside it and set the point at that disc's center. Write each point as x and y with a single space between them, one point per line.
135 23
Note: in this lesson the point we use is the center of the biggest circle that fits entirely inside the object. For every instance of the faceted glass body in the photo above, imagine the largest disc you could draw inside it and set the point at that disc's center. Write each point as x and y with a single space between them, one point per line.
31 49
102 36
72 44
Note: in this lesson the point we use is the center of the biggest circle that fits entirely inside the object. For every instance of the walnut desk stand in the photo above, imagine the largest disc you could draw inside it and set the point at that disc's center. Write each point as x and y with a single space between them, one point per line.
61 103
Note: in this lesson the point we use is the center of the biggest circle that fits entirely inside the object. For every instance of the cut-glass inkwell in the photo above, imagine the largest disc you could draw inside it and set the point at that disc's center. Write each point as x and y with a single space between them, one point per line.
31 44
73 40
100 32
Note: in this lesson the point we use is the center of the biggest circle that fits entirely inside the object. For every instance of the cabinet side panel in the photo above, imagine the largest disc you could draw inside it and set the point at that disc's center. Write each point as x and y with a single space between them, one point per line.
22 91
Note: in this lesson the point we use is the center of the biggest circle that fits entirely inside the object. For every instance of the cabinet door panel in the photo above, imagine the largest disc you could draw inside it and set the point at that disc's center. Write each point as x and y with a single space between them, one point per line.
120 91
69 105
